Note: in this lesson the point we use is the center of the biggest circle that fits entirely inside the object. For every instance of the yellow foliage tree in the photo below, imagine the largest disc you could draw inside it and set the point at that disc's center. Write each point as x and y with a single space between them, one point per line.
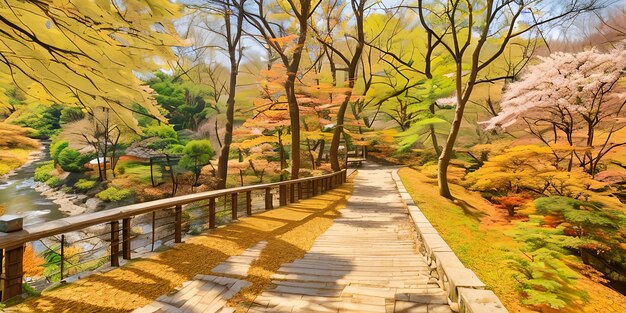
530 168
85 52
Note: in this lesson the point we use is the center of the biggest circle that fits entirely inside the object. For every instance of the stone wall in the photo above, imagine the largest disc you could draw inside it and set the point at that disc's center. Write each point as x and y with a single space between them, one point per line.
466 293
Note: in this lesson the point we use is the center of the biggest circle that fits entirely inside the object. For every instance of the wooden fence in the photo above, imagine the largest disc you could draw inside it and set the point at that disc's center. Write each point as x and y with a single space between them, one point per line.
168 212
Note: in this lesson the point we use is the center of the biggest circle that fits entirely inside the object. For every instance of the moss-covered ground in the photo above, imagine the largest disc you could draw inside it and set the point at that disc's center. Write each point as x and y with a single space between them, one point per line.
477 233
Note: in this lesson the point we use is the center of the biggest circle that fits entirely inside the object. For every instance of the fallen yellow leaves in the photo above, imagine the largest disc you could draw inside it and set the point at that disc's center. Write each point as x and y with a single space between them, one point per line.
290 231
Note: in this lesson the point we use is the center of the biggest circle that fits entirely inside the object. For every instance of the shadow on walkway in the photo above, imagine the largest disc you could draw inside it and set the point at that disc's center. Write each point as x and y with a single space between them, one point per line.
289 231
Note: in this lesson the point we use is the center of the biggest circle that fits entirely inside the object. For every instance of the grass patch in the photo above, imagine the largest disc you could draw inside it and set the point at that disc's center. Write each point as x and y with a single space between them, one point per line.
85 184
289 231
112 194
468 226
459 223
138 172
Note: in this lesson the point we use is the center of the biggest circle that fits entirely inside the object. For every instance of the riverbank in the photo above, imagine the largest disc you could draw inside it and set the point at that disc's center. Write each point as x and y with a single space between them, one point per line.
37 201
68 203
11 170
16 149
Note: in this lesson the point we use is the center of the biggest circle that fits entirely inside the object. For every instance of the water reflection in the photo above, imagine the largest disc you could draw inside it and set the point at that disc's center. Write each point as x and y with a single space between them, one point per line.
18 196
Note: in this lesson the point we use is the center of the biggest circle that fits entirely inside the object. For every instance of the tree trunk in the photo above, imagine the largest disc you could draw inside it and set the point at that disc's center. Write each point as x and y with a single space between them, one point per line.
222 165
233 43
322 144
334 144
358 8
433 133
446 154
294 110
281 152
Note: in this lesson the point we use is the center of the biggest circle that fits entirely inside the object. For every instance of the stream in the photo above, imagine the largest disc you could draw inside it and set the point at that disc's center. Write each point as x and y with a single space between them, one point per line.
18 195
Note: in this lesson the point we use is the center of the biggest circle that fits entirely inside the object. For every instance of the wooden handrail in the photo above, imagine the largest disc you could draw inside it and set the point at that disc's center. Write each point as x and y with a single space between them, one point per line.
74 223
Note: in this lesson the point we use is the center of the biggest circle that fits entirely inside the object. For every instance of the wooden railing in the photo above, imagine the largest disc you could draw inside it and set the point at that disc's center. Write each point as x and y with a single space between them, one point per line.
170 214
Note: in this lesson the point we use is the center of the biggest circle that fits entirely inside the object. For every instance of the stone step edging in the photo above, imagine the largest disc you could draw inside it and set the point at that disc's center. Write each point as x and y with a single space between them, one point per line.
466 293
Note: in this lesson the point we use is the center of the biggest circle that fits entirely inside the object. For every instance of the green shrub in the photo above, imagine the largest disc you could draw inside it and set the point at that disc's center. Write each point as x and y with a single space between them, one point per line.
161 131
44 171
163 144
56 148
71 160
592 221
543 273
71 114
54 182
196 154
43 119
68 159
112 194
85 184
175 149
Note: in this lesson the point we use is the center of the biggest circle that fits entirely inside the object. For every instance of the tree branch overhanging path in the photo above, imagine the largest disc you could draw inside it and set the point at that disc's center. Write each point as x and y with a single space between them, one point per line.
66 54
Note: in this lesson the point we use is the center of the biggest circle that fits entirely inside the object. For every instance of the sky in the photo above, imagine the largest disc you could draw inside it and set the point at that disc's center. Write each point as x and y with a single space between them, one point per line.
573 30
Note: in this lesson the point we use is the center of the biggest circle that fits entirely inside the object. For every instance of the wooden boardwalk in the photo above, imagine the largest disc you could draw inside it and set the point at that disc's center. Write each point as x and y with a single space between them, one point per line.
366 261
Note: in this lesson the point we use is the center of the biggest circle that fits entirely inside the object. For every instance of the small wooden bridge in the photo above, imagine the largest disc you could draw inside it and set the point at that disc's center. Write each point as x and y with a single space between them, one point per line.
380 255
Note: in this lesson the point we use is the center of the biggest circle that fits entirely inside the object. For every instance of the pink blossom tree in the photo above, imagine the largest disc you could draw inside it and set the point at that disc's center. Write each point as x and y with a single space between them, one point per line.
571 99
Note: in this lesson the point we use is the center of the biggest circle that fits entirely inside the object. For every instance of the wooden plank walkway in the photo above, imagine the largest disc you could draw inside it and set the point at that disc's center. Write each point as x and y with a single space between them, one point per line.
365 262
205 293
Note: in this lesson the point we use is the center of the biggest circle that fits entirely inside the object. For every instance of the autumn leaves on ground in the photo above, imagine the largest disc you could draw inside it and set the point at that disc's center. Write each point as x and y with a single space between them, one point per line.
290 231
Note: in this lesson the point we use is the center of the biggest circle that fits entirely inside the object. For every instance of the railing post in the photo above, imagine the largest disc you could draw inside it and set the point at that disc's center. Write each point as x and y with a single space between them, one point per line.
126 239
62 265
282 194
299 187
292 193
249 202
11 262
307 188
233 205
178 226
115 243
314 187
11 272
153 228
211 213
268 199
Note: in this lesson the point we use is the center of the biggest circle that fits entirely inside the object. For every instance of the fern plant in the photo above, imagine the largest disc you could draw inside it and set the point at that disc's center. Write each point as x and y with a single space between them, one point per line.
544 274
